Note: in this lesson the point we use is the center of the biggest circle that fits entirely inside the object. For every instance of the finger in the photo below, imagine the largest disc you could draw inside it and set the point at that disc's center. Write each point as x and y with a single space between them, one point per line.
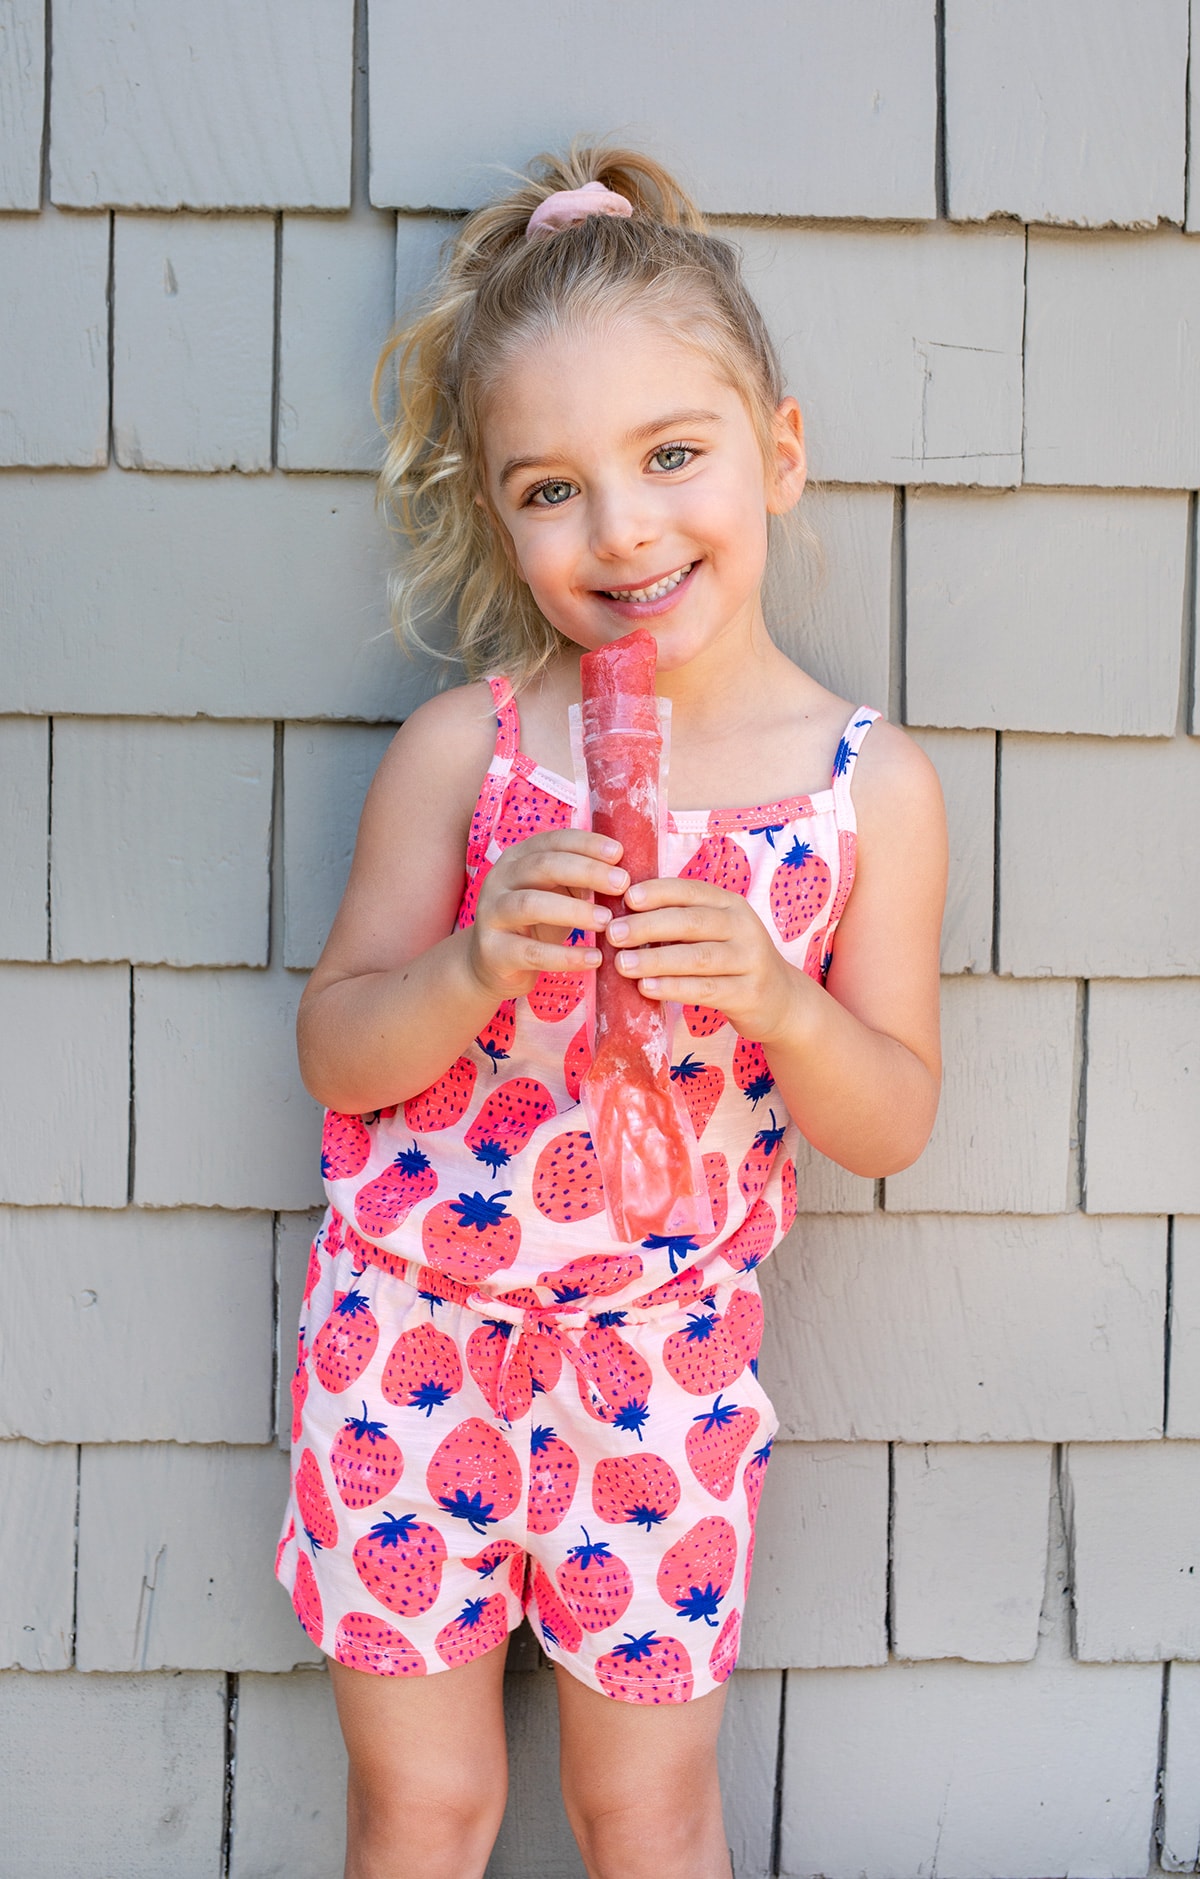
655 962
518 954
523 865
676 892
603 847
517 909
718 993
667 924
574 841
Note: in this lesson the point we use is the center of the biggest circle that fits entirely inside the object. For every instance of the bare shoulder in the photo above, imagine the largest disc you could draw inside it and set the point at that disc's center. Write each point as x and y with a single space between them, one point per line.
895 787
446 741
902 860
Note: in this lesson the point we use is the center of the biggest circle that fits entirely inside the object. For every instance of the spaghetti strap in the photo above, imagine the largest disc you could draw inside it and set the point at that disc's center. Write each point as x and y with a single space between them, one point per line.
508 723
491 794
849 745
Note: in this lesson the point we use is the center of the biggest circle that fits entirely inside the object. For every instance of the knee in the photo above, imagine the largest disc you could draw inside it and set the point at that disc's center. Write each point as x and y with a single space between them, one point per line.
650 1836
434 1822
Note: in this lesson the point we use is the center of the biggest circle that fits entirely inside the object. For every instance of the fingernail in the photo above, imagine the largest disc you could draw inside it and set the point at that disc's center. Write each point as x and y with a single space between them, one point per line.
627 960
649 985
635 894
591 957
611 847
617 878
618 929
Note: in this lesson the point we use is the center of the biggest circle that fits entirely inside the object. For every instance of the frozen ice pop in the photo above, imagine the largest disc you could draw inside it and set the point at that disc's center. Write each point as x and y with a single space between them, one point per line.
649 1159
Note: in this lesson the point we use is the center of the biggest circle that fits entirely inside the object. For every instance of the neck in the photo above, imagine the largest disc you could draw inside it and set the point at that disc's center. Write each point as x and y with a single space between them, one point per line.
727 683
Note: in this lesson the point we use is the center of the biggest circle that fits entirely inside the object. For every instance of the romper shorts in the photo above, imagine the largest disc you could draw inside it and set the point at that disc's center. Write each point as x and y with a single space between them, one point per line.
453 1472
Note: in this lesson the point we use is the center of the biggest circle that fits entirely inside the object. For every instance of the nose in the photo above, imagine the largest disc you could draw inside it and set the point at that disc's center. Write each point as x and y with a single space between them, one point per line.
623 520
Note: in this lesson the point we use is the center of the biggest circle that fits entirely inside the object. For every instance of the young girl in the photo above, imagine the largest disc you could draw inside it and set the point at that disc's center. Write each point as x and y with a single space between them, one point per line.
501 1409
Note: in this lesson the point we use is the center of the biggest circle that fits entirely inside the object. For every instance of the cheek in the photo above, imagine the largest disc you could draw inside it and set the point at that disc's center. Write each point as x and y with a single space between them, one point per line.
754 518
544 563
738 525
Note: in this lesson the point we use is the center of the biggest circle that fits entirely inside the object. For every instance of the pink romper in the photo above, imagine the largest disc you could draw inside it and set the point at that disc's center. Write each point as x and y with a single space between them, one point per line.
499 1409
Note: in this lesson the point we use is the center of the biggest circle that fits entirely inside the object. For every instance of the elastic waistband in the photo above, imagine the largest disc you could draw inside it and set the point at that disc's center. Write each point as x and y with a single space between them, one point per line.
434 1284
566 1331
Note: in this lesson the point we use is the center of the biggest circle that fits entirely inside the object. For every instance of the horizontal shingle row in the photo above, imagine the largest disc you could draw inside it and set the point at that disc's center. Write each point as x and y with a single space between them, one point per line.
1029 610
221 1119
158 836
914 1328
1074 113
1053 1762
170 1565
219 1115
934 355
166 1735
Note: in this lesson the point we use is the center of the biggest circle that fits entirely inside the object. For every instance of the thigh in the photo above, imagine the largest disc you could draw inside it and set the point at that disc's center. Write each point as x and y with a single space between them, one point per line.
614 1752
640 1784
416 1739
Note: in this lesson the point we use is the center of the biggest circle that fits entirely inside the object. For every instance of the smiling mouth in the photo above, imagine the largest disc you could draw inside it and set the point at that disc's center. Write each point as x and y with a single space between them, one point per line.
659 589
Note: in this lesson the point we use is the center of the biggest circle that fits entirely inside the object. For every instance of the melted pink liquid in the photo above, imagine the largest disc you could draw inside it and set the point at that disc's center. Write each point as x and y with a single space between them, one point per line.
640 1134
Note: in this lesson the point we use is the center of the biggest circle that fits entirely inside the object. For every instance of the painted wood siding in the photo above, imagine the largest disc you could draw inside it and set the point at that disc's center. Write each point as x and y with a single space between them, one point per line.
973 1646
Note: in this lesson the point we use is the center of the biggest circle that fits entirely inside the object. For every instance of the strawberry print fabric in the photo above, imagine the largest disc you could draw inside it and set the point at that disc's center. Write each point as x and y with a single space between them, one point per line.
453 1472
483 1372
489 1176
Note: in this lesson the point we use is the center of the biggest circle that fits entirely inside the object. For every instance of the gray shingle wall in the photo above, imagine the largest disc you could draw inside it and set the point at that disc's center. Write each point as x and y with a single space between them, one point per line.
976 1611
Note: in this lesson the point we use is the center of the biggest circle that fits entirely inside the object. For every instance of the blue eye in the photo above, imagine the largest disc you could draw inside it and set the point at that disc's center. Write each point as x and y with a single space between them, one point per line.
555 493
682 454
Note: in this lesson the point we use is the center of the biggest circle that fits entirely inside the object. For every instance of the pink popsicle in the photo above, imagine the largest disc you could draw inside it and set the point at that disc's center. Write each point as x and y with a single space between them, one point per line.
642 1134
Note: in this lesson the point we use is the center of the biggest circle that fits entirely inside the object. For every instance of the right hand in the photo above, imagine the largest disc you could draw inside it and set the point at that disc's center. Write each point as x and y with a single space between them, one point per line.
542 885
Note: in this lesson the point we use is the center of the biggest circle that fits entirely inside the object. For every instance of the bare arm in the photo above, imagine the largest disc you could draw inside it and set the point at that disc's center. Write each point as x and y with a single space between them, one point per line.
397 994
858 1063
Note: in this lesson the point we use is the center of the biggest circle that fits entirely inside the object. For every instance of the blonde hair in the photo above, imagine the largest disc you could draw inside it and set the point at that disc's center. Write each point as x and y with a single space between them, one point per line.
496 293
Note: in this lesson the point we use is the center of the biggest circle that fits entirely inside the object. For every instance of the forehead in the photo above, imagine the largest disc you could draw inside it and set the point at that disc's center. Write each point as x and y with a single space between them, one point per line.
595 381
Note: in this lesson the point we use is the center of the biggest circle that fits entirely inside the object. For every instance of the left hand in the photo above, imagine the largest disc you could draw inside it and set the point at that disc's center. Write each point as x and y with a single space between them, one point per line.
698 944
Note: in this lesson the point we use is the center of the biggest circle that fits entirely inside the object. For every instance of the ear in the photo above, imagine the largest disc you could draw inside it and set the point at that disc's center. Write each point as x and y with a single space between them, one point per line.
790 468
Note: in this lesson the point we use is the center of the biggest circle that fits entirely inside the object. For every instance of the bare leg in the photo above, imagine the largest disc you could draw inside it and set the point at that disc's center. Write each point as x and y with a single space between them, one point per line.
428 1769
640 1784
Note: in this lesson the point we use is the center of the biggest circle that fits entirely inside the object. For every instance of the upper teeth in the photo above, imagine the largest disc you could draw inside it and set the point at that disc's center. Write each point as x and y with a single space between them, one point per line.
652 593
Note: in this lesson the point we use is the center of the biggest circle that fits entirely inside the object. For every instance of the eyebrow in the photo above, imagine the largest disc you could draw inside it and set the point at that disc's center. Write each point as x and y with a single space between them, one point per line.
642 434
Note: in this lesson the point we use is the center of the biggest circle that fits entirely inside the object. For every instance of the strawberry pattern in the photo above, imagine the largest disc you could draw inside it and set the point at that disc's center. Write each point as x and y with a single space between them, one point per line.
498 1409
489 1176
601 1476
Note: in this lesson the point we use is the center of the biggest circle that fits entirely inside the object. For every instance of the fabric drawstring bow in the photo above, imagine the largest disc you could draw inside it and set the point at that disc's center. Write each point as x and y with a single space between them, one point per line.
570 1348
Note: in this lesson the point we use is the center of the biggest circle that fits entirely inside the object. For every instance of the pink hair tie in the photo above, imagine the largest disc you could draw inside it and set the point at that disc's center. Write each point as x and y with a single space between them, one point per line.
572 205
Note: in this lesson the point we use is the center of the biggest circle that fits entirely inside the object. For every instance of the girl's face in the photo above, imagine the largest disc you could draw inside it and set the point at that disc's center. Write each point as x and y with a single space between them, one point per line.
630 483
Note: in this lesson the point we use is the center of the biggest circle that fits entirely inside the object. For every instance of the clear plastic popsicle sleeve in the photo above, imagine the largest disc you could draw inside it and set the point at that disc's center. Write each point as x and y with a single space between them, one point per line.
643 1136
